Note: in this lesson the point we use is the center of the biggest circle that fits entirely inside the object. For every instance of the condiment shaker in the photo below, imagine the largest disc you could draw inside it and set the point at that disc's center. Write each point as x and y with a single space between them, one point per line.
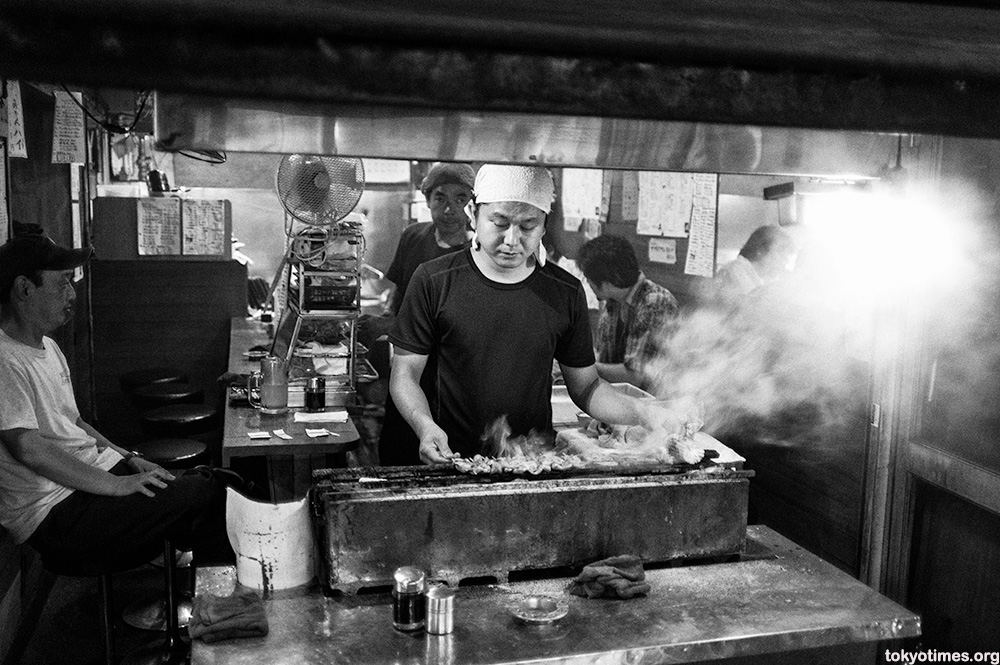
315 393
440 609
408 603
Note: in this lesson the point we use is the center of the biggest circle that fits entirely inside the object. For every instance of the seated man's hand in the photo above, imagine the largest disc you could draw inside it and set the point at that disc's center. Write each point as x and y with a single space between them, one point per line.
141 464
142 482
434 447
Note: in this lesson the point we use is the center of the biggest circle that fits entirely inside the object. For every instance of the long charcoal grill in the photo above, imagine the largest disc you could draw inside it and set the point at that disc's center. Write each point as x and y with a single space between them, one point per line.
457 527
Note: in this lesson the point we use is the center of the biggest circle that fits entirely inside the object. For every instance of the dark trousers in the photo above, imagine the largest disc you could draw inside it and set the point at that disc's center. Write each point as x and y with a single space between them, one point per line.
122 532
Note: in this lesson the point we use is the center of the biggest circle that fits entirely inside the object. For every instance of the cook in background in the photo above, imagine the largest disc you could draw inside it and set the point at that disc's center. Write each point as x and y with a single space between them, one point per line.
635 311
64 488
762 260
490 320
448 190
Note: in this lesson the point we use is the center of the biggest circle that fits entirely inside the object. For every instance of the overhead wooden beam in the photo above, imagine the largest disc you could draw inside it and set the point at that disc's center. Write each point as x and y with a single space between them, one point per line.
881 66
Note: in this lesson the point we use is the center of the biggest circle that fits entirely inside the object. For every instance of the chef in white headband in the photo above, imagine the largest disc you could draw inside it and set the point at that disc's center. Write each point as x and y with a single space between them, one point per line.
491 320
509 211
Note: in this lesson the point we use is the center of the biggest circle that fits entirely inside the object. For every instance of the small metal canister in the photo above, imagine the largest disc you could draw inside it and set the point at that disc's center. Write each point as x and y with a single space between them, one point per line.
440 609
315 393
408 603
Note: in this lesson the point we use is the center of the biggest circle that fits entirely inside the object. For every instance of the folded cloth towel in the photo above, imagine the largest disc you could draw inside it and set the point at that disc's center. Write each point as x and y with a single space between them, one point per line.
215 618
616 577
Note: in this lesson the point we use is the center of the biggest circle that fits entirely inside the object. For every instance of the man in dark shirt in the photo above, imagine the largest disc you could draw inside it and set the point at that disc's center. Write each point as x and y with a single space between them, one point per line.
491 319
448 190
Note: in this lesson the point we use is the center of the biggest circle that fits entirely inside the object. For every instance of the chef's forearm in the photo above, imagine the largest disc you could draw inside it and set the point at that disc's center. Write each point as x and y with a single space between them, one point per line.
610 406
404 385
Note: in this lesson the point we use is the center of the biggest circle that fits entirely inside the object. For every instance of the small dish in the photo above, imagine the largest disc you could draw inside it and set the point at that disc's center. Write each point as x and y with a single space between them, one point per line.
540 609
254 355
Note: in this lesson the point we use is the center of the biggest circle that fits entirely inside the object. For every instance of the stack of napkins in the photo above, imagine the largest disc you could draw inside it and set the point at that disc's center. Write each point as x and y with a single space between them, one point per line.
339 416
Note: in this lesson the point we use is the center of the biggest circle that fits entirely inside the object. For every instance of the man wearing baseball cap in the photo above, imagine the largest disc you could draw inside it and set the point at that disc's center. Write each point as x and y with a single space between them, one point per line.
488 322
64 488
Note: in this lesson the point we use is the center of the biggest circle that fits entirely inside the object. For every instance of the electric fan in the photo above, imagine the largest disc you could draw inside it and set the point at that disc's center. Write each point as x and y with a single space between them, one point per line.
319 190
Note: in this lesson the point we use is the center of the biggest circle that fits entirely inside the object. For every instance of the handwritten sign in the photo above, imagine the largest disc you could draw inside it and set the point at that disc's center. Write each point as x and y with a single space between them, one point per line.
17 146
582 197
159 226
662 250
67 129
664 204
701 240
204 226
4 222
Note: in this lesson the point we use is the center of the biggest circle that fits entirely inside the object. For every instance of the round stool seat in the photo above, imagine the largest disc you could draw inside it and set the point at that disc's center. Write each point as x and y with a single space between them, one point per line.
153 395
178 420
143 377
173 453
151 614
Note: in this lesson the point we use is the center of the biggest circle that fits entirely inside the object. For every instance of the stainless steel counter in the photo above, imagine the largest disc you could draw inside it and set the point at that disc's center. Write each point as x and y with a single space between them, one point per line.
778 598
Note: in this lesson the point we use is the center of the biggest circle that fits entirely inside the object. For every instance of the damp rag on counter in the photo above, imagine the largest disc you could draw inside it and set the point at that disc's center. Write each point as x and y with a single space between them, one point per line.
215 618
616 577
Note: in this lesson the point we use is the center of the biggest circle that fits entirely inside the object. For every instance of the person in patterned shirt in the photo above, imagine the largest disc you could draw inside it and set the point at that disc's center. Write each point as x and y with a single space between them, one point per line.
635 310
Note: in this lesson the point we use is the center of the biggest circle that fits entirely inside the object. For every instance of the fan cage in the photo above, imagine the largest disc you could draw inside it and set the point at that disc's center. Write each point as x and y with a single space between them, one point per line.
319 190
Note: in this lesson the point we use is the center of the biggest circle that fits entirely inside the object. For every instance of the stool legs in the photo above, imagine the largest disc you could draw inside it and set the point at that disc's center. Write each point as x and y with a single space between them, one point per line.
107 619
173 650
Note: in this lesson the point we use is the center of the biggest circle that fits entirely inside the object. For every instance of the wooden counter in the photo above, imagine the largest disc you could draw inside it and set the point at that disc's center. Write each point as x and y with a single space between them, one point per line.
777 599
290 461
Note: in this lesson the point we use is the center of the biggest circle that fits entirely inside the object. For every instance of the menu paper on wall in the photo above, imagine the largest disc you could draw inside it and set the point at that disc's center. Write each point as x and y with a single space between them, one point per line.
582 197
665 201
4 221
67 129
701 240
17 146
204 227
662 250
159 226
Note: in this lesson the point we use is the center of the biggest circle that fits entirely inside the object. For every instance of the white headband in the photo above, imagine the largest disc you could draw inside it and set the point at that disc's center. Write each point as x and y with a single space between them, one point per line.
527 184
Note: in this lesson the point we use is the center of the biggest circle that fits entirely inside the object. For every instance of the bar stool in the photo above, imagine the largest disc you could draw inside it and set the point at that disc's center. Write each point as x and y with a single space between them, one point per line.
130 381
153 395
178 420
174 453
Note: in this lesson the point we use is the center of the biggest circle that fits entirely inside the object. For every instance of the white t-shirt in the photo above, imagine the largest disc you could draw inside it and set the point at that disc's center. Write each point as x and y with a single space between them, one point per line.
37 394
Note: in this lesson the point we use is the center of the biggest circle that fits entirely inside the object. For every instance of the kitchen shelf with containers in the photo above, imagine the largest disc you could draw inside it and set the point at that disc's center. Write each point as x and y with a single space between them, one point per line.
317 332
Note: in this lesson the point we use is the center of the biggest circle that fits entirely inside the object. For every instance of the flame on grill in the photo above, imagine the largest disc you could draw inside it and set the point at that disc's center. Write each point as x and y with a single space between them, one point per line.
597 443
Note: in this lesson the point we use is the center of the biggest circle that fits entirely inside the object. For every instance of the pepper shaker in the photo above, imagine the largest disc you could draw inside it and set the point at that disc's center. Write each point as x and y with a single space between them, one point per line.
408 604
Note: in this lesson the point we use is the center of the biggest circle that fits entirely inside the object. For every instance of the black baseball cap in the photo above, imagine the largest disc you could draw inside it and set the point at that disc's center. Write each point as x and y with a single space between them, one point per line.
27 254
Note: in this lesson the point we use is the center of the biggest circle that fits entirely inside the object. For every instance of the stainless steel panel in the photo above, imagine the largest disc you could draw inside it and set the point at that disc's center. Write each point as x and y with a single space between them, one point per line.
239 125
465 530
779 599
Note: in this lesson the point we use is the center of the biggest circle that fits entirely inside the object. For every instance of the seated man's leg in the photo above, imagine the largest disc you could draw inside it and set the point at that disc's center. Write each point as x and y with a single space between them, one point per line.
126 531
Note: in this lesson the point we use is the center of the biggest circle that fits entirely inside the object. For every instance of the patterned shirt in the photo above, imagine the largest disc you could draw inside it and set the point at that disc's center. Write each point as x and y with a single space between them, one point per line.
627 331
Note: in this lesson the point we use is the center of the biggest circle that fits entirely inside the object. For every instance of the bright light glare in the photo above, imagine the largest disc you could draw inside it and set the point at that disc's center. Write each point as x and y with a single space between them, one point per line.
881 245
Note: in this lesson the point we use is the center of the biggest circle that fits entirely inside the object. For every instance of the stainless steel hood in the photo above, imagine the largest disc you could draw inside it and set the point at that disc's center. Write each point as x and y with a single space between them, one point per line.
194 122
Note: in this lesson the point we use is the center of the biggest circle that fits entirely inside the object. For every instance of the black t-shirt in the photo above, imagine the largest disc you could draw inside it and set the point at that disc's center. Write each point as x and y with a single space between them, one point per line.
416 245
491 345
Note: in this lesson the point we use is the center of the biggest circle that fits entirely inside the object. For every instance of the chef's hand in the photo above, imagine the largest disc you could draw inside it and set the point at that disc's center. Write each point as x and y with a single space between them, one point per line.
658 415
434 447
